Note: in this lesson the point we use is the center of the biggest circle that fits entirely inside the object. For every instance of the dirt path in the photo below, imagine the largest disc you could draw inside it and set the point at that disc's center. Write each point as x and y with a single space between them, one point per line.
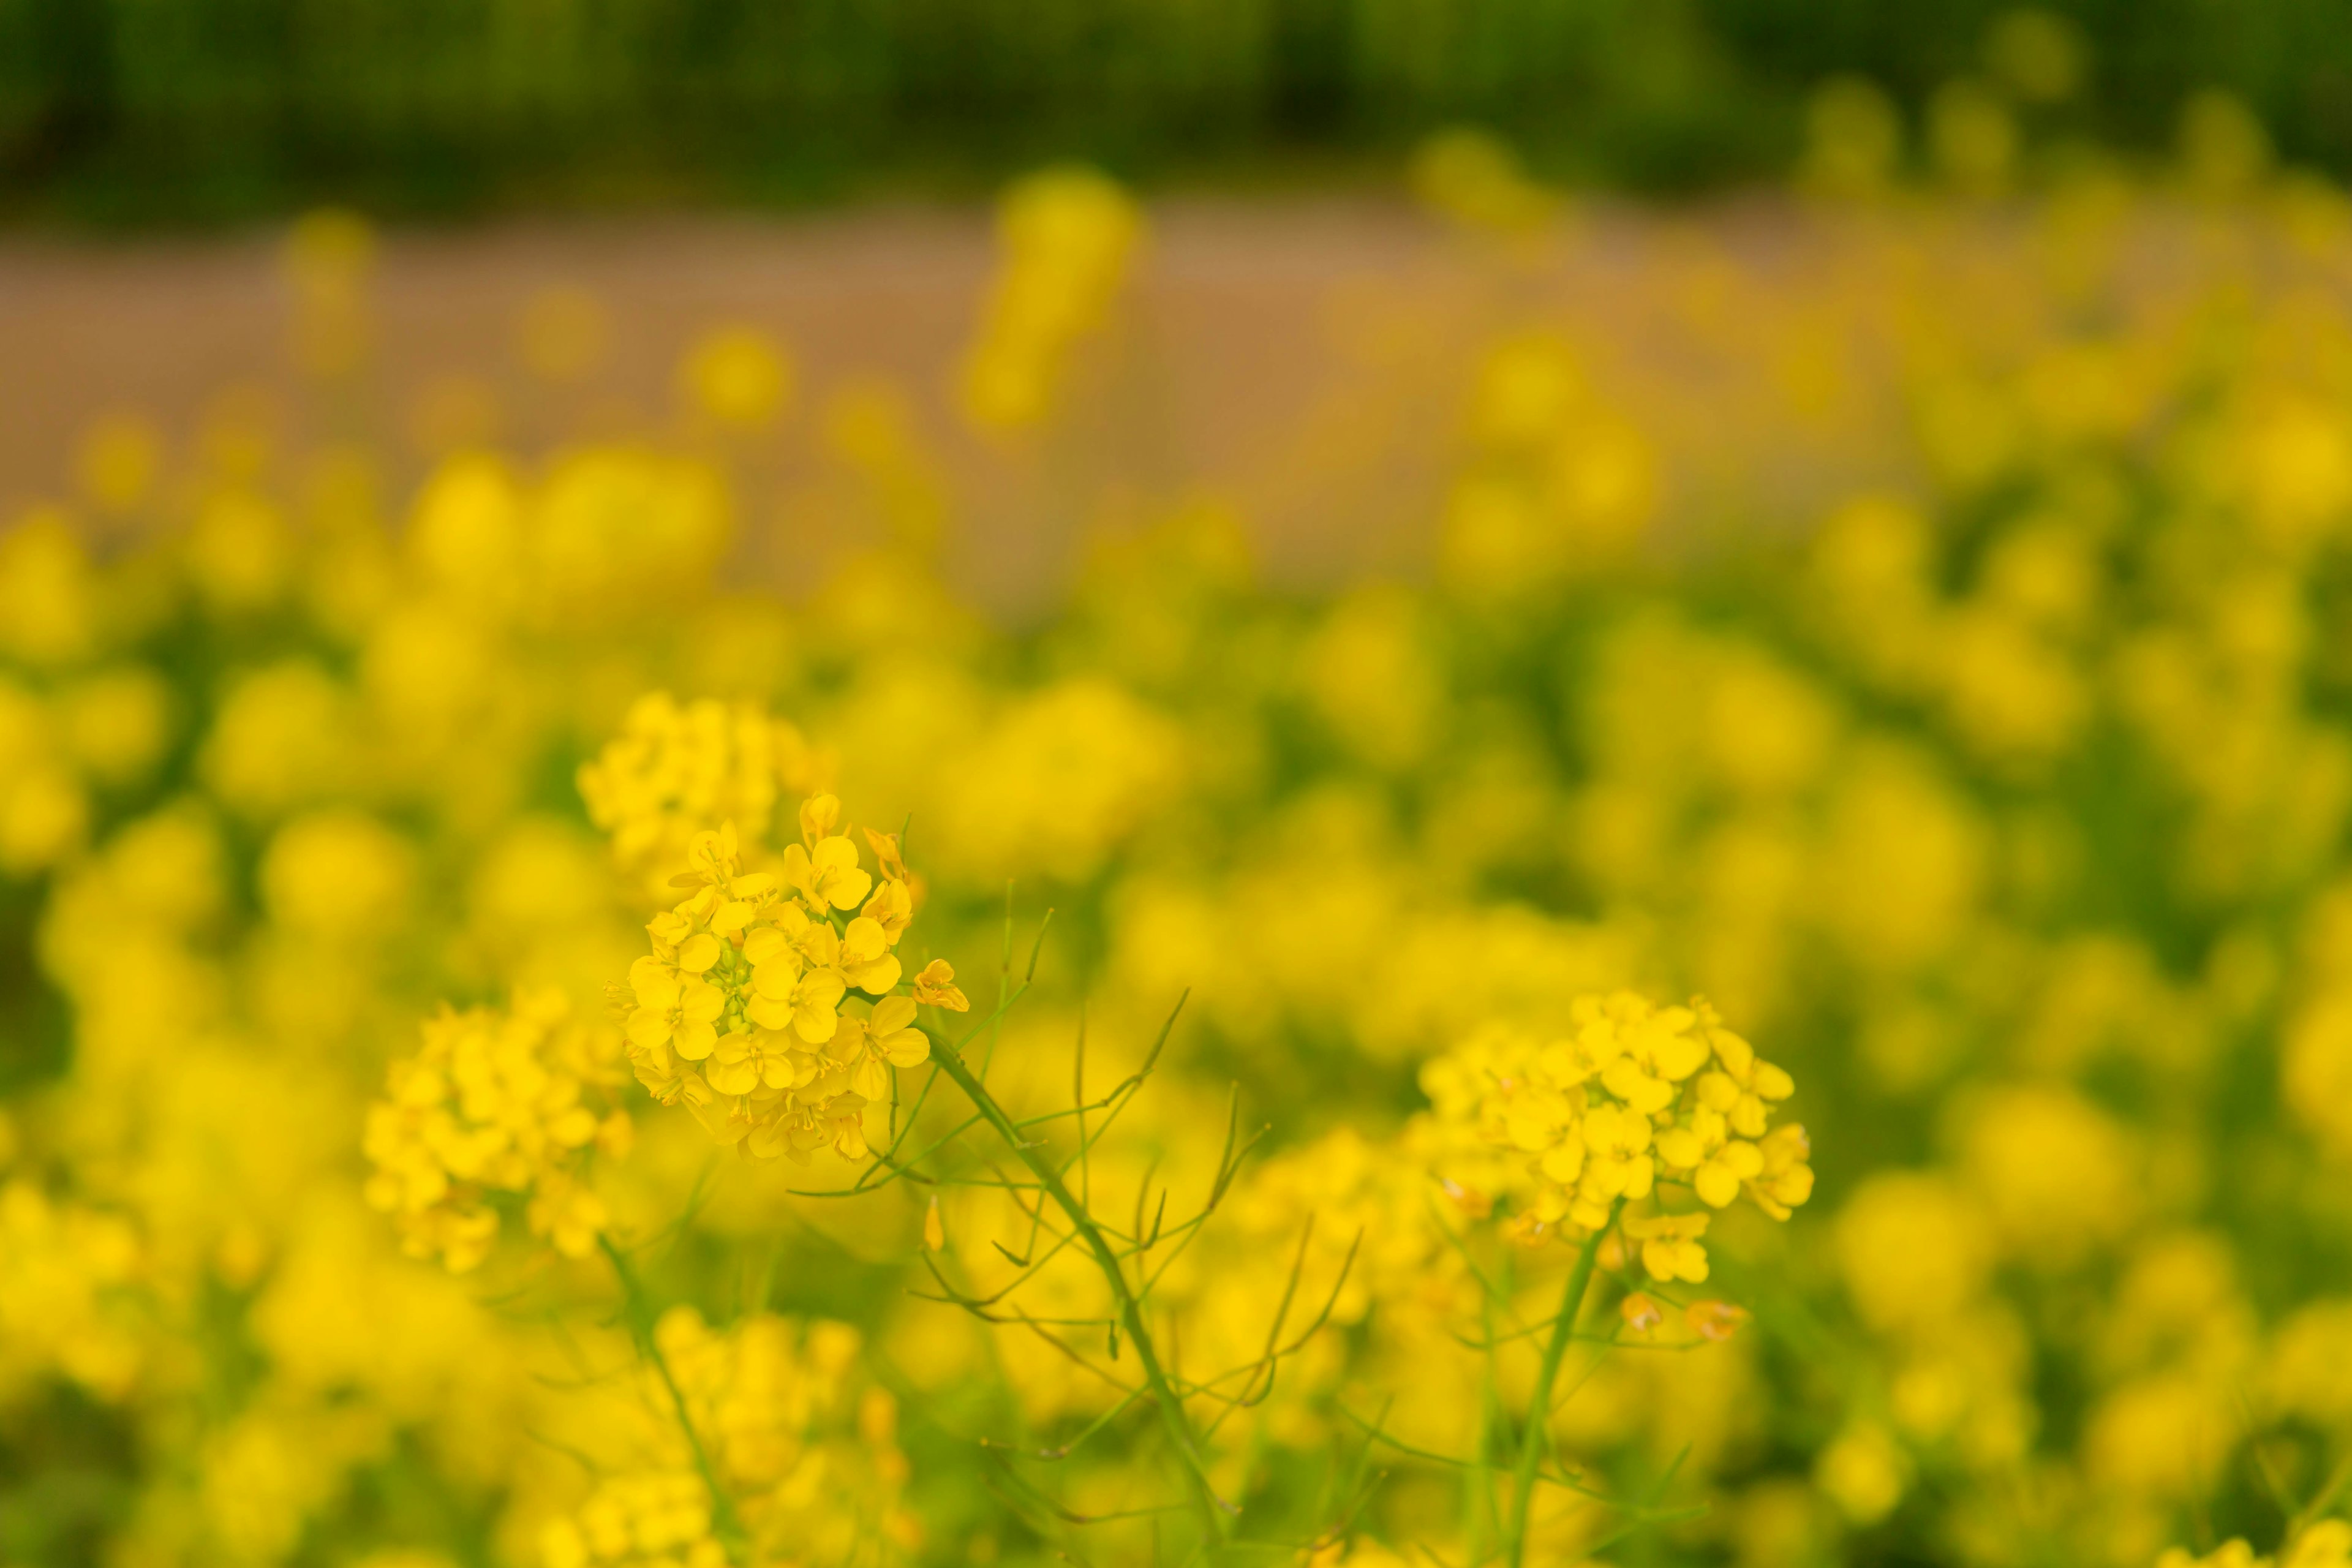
1307 362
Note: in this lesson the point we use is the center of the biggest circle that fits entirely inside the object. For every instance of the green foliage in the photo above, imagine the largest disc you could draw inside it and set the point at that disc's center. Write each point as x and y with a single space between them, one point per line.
132 110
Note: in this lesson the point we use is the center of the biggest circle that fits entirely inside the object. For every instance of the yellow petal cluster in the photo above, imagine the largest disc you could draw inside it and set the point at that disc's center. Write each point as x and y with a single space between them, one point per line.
802 1451
512 1101
1068 235
647 1519
678 769
1634 1095
2328 1544
64 1275
769 1006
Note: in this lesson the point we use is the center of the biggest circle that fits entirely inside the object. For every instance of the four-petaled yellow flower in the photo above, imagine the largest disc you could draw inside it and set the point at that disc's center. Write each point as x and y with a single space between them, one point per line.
936 986
1670 1249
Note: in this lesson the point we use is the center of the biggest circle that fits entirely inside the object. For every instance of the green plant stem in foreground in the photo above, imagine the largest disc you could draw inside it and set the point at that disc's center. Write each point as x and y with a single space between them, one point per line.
1539 1423
724 1523
1213 1512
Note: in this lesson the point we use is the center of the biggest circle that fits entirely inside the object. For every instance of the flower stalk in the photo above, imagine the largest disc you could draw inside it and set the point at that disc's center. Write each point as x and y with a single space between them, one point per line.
638 1309
1539 1422
1215 1513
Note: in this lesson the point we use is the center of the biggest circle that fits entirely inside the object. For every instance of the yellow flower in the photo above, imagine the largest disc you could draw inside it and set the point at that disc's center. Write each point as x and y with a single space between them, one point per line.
1066 237
886 855
936 986
2328 1544
1573 1126
891 1031
828 874
1670 1249
1786 1179
746 1059
2228 1554
866 958
1718 1163
64 1304
677 770
1715 1321
787 993
782 1422
494 1101
892 907
736 375
737 1011
674 1011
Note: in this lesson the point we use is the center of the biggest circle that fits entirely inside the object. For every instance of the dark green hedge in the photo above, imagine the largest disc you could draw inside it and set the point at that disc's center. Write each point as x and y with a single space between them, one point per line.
203 108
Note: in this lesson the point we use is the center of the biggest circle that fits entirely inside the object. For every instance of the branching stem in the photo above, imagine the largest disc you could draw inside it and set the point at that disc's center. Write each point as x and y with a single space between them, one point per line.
1215 1513
725 1523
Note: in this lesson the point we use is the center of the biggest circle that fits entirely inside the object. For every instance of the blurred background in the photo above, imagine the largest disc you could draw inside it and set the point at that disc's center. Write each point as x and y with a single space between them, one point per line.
1389 514
125 112
634 173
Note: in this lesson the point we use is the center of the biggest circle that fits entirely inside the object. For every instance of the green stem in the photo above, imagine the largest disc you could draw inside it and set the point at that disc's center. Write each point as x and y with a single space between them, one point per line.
1477 1480
1538 1426
1214 1514
724 1523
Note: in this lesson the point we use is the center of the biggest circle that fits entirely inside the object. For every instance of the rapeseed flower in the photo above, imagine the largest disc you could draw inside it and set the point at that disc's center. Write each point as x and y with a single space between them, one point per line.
1634 1095
2007 795
801 1450
770 1005
676 770
509 1102
2326 1544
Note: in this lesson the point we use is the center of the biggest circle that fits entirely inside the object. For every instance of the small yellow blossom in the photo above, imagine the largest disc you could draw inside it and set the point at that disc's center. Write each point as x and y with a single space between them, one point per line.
1067 237
1670 1249
66 1303
1715 1321
1633 1096
658 1519
804 1452
738 376
495 1101
936 985
2326 1544
677 770
766 1007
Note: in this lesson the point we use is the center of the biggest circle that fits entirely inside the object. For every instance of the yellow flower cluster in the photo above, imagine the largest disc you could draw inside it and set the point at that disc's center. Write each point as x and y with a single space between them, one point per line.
1067 237
2328 1544
1634 1094
739 1010
43 812
73 724
66 1277
803 1453
2010 802
496 1101
678 769
648 1519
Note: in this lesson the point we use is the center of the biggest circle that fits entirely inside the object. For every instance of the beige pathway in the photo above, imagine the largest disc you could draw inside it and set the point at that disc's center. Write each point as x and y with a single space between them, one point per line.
1306 361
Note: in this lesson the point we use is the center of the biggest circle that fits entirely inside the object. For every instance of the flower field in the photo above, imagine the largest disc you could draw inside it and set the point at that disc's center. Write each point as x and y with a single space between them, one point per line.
1694 1021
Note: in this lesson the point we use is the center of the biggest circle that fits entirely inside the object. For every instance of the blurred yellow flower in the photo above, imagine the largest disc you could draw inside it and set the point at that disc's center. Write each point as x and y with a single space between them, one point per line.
738 376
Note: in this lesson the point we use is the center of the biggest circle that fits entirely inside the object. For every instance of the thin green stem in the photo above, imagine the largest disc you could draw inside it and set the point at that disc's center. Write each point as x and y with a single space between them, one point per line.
639 1307
1539 1423
1213 1511
1478 1496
